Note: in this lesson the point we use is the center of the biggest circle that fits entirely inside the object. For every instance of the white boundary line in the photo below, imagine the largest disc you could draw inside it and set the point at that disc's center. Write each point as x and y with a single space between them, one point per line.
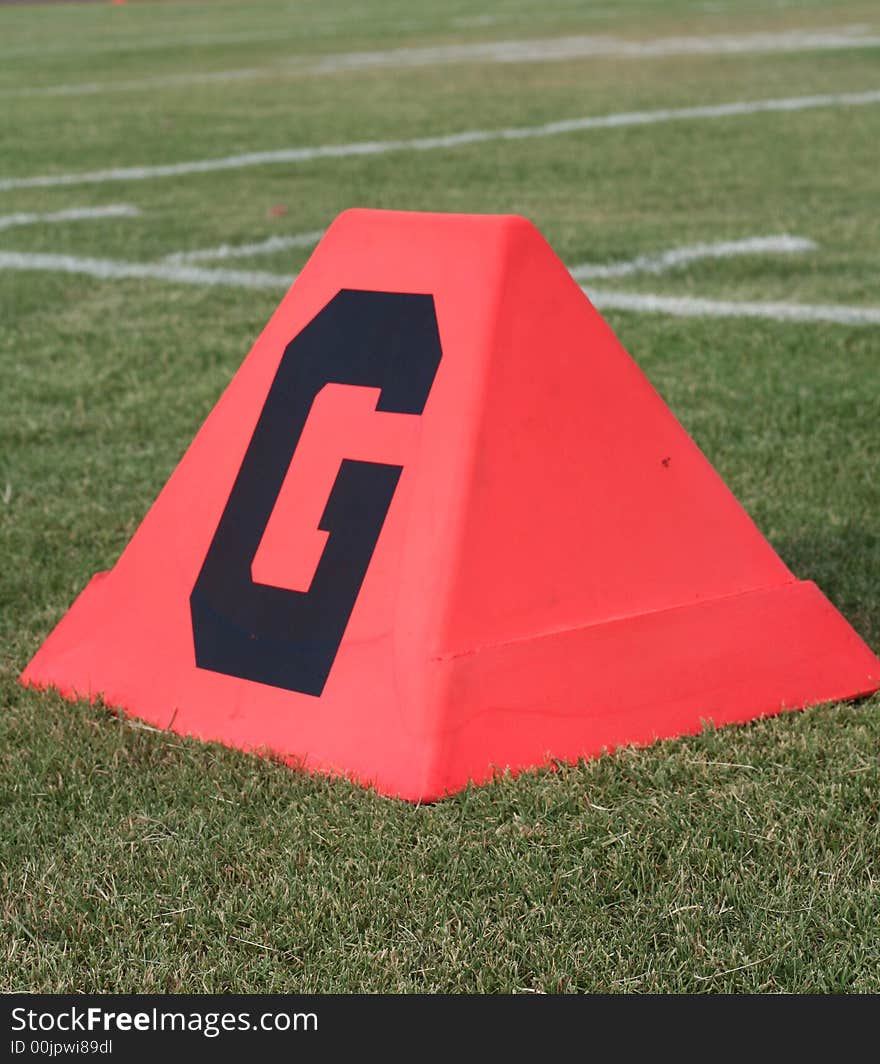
660 263
449 140
243 251
677 306
783 244
114 270
73 214
691 307
546 50
669 260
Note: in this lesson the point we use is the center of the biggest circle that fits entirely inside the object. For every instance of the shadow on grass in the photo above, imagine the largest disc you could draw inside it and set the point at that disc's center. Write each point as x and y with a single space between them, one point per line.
845 562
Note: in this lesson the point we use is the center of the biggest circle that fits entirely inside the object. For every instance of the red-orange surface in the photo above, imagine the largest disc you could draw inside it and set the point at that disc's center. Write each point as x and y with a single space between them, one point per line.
559 569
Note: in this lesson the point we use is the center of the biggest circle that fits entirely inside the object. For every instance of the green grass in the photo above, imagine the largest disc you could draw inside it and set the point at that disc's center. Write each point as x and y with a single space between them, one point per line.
740 860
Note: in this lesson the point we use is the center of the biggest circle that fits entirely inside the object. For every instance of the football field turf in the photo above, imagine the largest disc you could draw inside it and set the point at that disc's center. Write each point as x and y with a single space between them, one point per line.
711 174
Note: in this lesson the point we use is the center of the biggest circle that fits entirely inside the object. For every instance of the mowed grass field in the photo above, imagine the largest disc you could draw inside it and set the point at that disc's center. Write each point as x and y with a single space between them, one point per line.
743 859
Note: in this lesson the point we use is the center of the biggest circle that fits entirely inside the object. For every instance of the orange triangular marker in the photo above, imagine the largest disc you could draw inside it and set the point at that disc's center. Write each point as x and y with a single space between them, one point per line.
440 523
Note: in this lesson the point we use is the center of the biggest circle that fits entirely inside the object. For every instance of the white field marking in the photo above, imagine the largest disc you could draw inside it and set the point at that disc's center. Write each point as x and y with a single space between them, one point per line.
669 260
547 50
448 140
22 51
73 214
113 270
591 47
688 307
242 251
692 307
659 263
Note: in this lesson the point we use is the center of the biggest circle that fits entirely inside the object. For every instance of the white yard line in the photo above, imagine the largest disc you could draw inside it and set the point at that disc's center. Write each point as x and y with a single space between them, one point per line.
73 214
107 269
113 270
668 260
244 251
590 47
448 140
692 307
783 244
544 50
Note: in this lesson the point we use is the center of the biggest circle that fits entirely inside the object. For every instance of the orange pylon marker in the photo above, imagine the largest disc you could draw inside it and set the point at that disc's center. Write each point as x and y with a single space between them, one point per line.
441 524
